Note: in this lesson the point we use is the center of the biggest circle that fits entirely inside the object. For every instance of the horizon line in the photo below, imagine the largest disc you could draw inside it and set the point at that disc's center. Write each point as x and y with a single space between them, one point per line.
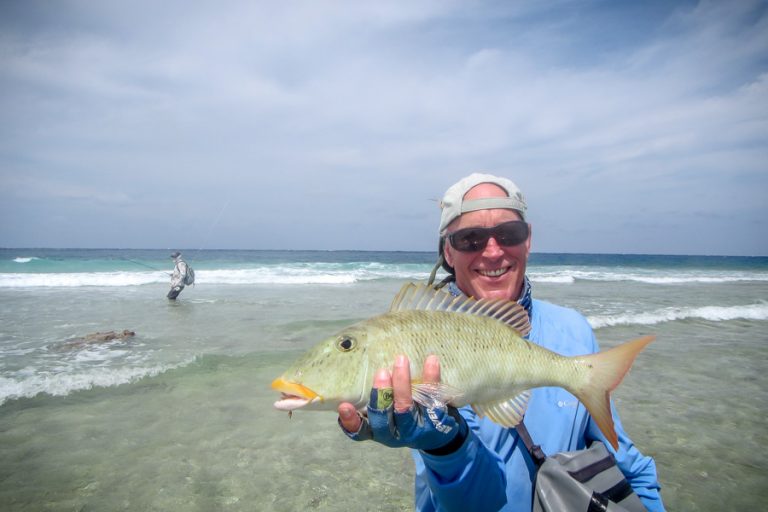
374 251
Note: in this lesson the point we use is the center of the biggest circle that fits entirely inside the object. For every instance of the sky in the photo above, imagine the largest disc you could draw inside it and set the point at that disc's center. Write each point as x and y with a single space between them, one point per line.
631 127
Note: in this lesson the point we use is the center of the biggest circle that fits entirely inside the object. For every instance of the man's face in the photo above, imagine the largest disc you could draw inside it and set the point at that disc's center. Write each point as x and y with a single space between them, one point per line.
495 272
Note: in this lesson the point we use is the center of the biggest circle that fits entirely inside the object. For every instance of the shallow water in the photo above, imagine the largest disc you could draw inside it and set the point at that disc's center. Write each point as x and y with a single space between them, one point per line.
203 437
180 417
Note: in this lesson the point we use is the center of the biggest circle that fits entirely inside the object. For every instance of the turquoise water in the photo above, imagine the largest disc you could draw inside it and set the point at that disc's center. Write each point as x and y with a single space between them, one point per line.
180 416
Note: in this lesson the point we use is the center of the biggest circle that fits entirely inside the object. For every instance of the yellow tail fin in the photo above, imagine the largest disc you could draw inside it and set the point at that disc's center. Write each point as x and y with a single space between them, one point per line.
606 370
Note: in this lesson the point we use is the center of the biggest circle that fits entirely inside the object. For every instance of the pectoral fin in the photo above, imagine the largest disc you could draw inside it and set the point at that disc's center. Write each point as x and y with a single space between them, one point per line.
508 413
432 395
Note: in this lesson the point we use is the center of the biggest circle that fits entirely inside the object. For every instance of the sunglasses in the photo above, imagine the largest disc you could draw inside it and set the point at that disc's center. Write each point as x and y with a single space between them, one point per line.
507 234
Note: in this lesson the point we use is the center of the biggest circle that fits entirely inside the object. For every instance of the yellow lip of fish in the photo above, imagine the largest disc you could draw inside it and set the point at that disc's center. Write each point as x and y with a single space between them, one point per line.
293 389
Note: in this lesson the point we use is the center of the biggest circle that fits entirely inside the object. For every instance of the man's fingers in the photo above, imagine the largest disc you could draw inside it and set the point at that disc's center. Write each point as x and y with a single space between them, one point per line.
401 384
381 395
382 379
349 417
431 369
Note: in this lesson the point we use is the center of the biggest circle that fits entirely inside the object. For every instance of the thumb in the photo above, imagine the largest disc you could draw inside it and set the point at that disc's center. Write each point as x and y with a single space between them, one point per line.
349 418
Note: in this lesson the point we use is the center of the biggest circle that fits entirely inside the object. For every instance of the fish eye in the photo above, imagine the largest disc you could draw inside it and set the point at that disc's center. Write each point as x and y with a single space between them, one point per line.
346 343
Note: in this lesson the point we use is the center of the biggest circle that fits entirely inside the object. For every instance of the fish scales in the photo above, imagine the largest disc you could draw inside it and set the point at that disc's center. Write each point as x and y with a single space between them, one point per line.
482 357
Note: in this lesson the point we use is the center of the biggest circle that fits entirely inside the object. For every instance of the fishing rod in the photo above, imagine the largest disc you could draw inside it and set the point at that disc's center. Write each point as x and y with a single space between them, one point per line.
213 225
143 264
203 241
207 235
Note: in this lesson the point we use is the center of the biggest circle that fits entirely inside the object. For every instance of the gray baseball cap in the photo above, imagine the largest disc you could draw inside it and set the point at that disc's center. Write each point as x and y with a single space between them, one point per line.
453 203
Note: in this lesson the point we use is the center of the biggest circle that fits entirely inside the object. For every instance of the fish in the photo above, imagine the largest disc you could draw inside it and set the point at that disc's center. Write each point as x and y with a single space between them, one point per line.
486 361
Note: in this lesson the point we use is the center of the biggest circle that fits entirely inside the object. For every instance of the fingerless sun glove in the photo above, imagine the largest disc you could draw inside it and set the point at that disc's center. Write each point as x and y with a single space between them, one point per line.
435 430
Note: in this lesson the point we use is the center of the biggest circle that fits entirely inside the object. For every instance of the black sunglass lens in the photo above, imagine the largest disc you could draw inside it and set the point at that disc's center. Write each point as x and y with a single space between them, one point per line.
475 239
469 239
511 233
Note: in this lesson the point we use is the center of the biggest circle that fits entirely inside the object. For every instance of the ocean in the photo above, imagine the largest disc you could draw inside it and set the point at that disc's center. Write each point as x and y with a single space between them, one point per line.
180 416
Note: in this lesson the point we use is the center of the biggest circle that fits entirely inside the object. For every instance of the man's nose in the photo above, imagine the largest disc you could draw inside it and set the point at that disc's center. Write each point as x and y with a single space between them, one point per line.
492 248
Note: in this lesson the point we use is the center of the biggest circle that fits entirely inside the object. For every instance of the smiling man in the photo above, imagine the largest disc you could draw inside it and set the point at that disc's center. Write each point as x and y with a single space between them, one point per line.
488 238
464 462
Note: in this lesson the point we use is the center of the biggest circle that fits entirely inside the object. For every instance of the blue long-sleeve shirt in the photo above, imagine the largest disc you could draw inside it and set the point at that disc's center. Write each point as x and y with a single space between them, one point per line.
493 471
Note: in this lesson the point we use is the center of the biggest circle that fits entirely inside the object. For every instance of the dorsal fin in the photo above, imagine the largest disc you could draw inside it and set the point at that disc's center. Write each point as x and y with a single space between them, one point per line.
425 298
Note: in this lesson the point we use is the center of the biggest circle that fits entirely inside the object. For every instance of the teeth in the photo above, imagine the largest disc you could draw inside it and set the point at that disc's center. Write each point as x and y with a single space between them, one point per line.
493 273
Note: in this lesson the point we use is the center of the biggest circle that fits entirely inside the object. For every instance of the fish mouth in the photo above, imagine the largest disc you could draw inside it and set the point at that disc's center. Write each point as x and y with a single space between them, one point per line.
293 395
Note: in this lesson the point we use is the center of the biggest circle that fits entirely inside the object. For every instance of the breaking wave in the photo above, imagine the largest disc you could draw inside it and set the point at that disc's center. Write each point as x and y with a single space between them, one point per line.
62 384
665 277
709 313
279 274
75 279
22 259
320 273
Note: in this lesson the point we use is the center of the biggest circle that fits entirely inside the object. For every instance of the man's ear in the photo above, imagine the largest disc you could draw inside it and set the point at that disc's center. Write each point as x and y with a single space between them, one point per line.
528 242
448 253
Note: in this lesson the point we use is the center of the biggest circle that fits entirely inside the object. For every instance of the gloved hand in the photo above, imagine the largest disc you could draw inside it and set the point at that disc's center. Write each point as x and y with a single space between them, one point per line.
395 420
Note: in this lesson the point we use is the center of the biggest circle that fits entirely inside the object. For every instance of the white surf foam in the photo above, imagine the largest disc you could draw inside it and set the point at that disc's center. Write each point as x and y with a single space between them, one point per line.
75 279
710 313
663 277
348 273
22 259
696 279
29 383
283 274
557 278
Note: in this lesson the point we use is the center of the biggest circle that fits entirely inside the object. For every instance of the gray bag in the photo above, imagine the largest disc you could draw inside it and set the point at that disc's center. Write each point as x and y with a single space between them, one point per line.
584 481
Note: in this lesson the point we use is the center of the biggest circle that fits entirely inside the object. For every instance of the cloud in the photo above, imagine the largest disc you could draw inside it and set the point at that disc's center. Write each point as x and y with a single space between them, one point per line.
51 189
367 110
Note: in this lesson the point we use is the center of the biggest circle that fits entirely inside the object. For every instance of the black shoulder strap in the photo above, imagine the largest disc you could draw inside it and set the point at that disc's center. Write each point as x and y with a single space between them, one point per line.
537 454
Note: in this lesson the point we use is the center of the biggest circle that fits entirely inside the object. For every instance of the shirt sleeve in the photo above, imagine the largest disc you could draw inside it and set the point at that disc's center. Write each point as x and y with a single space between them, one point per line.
471 476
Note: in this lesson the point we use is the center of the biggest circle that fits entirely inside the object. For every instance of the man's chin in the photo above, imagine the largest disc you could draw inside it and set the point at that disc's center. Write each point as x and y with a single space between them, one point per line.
503 294
489 292
503 287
